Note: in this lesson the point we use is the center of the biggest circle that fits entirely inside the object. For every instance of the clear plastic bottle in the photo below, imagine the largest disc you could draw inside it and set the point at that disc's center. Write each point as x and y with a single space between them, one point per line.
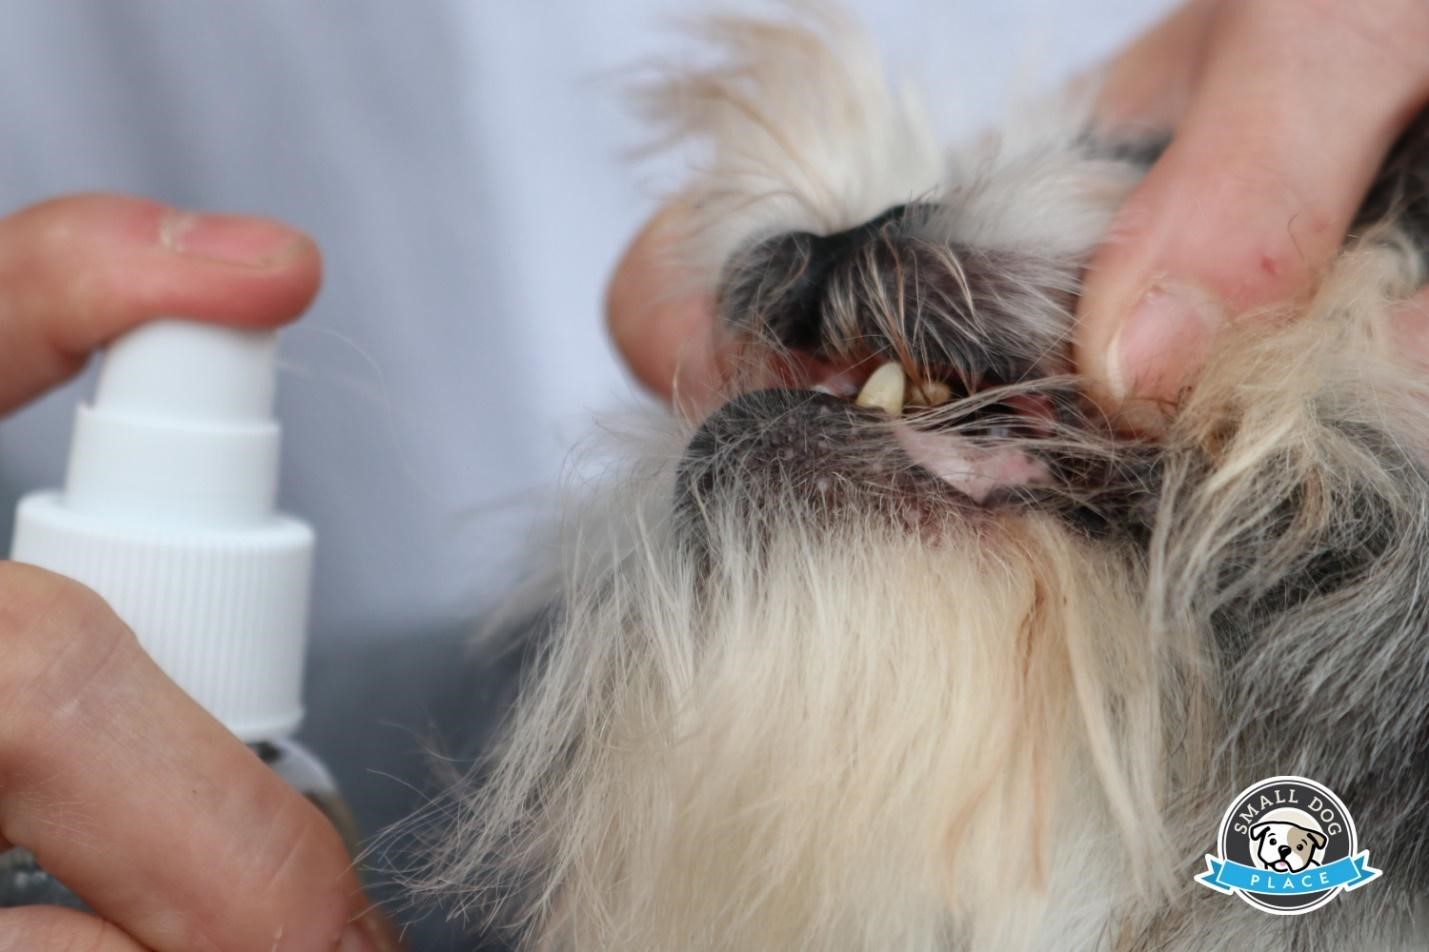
23 882
306 774
168 511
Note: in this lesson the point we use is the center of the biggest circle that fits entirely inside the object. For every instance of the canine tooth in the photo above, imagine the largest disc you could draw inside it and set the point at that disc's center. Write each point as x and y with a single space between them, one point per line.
884 389
930 393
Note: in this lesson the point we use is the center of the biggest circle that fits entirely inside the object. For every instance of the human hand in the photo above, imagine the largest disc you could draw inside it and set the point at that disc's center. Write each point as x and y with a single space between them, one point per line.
1283 111
170 828
667 336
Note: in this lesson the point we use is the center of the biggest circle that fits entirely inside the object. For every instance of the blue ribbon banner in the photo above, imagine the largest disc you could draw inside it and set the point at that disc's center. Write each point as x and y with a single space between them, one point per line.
1224 875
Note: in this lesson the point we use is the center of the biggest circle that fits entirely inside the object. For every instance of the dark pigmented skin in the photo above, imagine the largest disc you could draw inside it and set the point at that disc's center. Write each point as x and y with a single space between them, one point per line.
804 447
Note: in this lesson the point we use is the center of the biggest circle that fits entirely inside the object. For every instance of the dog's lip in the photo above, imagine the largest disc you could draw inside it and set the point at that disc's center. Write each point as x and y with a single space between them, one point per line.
973 469
1278 864
844 376
980 469
839 380
976 469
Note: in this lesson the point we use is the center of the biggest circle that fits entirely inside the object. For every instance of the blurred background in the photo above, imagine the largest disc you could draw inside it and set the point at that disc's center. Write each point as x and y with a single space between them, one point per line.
466 167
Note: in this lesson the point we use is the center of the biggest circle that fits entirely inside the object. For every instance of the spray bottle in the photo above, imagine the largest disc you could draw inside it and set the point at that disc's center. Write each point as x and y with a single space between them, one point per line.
168 512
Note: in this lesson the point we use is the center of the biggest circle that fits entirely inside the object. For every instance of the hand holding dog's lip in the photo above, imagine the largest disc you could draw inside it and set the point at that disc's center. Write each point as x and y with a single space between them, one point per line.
1242 211
1252 198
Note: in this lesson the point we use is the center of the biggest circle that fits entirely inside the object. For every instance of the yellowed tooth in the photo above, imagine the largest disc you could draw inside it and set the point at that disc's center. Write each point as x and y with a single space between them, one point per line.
930 393
884 389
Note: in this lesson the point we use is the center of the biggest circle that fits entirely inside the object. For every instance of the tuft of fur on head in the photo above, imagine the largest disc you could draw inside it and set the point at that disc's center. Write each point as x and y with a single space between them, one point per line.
784 153
783 707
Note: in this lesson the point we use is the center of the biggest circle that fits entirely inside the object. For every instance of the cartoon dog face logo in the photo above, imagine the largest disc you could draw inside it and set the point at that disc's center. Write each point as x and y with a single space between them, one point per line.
1285 847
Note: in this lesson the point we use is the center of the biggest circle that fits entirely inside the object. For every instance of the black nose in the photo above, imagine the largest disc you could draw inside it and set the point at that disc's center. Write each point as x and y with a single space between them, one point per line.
898 287
1284 851
782 281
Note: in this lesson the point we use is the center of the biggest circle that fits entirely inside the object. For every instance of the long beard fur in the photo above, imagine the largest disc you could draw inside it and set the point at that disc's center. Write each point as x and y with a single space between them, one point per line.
804 727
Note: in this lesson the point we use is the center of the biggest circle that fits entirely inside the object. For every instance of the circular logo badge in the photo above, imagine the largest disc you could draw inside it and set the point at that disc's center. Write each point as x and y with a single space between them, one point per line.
1287 846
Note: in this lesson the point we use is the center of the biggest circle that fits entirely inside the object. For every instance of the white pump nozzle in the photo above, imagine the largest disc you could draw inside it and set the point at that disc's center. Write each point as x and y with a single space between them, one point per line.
168 513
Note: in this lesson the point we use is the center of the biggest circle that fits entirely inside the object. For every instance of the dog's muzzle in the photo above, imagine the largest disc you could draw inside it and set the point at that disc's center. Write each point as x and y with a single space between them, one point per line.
809 448
909 378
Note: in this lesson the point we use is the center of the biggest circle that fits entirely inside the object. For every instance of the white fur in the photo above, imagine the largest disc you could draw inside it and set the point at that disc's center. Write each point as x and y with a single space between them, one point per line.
785 153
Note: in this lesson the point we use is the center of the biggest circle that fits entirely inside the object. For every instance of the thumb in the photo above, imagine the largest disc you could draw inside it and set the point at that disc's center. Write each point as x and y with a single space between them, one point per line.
76 272
1293 112
666 333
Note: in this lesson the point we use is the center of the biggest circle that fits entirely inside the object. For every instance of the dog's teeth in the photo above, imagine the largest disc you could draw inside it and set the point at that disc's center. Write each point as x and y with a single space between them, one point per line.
930 393
884 389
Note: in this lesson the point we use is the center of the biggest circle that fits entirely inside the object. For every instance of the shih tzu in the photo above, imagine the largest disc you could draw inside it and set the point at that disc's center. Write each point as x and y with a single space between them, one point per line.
904 646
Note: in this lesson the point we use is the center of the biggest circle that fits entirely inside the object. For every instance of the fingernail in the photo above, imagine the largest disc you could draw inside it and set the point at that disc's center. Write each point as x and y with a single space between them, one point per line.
371 933
229 239
355 938
1167 336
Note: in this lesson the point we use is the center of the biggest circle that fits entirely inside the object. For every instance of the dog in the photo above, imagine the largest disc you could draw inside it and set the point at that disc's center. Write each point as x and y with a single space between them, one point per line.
905 646
1286 847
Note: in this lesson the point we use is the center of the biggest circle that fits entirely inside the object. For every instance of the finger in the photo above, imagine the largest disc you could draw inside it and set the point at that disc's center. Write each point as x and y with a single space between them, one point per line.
53 929
1295 108
75 272
663 331
1151 82
143 804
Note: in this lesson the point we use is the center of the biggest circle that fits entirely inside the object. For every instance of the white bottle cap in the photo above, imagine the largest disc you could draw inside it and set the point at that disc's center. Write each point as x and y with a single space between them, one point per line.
168 513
